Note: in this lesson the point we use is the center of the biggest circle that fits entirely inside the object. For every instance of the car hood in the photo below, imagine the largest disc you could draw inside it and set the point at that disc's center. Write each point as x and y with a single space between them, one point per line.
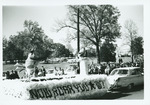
112 79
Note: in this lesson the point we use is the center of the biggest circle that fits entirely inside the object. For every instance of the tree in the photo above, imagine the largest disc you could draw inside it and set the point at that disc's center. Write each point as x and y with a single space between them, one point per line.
137 45
10 51
86 43
130 34
96 23
67 42
60 50
5 44
108 52
18 46
33 36
91 52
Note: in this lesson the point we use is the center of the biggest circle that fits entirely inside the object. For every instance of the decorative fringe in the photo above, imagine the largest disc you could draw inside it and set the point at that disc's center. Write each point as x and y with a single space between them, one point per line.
89 87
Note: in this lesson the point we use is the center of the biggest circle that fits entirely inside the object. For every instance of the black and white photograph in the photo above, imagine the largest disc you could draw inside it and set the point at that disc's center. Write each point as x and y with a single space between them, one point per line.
73 52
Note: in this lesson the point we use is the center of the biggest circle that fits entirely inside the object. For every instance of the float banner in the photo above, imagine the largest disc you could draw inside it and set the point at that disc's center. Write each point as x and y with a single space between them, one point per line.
76 88
65 89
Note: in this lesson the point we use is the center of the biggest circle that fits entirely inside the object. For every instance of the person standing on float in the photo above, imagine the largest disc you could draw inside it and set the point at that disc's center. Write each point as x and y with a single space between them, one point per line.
30 64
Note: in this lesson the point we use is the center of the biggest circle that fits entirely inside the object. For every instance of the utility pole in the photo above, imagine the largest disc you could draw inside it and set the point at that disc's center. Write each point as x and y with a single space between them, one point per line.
78 39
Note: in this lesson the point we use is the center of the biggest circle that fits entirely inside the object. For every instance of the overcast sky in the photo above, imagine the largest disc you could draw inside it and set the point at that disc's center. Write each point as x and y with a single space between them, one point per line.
46 16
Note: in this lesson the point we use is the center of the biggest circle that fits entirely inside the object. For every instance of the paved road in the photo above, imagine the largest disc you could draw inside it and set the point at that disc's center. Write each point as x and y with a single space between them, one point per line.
136 93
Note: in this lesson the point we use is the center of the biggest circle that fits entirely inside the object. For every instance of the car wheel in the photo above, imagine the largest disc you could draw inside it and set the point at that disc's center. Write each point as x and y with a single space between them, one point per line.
130 87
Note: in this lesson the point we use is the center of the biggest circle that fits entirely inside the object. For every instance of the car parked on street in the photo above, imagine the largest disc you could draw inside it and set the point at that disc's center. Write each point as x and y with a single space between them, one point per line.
127 77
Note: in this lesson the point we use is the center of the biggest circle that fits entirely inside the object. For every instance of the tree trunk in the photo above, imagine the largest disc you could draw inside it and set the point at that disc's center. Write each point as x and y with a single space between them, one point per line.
131 46
132 57
132 54
98 53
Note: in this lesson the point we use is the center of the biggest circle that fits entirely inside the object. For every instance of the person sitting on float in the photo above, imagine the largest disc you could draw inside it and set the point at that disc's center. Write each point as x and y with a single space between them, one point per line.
16 76
55 71
36 72
7 75
12 75
40 73
44 71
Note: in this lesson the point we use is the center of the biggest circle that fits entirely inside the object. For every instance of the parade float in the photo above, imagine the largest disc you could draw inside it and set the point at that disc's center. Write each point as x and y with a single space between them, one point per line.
72 86
77 86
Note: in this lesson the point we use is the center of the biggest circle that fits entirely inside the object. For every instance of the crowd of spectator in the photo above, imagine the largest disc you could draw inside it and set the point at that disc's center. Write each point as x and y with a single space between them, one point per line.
106 68
102 68
59 71
39 72
12 75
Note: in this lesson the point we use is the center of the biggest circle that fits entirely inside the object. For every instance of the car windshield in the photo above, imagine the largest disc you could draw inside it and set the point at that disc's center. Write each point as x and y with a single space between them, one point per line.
113 72
119 72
